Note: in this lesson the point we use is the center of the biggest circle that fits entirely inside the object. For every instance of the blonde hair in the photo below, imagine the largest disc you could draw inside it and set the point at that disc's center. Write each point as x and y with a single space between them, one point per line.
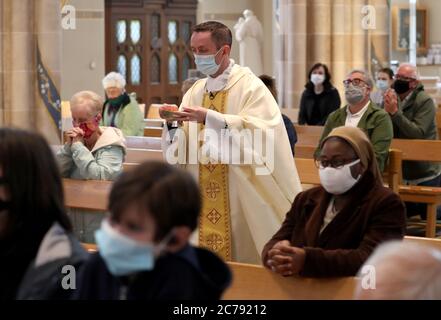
87 98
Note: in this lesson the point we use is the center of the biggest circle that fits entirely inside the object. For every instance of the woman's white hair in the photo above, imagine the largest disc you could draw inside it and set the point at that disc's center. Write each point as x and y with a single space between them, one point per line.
114 79
88 99
403 271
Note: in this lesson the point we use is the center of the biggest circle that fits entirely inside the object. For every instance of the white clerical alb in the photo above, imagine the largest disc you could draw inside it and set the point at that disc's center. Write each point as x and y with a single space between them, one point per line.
256 203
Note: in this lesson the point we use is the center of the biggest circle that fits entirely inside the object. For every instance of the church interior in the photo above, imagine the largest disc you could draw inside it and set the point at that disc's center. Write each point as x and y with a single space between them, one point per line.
343 98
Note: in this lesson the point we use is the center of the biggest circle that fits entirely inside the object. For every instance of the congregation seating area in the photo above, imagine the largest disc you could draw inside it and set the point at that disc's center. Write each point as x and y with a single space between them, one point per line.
253 282
140 149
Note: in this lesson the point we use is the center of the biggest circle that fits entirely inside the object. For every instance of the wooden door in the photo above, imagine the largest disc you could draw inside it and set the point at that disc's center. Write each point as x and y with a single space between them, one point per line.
149 43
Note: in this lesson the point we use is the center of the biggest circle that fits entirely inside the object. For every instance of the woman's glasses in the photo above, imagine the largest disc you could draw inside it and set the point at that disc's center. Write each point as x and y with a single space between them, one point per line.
334 163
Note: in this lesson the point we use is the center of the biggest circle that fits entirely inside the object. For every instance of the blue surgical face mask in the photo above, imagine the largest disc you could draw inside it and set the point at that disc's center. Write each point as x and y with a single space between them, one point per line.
207 63
124 256
382 85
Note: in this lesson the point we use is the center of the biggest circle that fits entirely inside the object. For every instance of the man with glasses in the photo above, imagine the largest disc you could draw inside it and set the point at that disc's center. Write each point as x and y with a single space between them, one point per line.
413 112
361 112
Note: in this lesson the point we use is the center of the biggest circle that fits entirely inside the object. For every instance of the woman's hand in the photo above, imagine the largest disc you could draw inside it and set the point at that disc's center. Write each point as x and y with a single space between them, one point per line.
75 135
286 259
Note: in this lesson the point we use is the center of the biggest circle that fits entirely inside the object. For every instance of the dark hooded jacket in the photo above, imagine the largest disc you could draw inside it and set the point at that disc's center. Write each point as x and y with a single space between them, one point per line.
191 274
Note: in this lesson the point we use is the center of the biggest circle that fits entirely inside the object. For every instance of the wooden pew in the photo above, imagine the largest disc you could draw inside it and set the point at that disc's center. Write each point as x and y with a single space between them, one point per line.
127 166
421 150
253 282
141 155
308 130
152 132
435 243
418 150
91 195
304 151
151 143
156 123
153 111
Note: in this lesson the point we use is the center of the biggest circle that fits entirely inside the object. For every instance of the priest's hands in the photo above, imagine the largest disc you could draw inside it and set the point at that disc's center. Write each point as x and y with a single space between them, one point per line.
286 259
197 114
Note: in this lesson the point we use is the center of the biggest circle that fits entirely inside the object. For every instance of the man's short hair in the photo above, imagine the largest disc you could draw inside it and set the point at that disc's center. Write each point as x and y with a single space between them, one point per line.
93 100
169 194
366 77
220 33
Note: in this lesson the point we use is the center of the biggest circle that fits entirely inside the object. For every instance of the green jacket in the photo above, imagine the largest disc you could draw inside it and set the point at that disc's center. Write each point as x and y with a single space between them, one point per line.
415 119
375 122
103 162
129 119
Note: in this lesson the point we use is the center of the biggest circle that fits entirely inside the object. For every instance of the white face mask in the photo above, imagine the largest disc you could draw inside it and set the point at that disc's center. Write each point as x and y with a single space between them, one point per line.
338 181
317 78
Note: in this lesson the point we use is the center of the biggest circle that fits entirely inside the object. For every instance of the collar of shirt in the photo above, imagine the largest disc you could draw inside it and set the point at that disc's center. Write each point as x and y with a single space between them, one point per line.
360 113
220 82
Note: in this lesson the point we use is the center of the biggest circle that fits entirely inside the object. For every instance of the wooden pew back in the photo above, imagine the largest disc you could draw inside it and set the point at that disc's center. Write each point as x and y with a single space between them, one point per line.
418 150
152 132
90 195
253 282
151 143
141 155
432 242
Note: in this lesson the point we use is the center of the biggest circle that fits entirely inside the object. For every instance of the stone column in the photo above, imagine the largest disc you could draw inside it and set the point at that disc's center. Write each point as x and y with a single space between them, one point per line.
48 38
17 62
330 32
24 23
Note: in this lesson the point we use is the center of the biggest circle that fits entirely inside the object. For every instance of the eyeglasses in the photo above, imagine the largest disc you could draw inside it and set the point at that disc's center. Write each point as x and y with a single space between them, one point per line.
76 122
356 82
335 163
400 77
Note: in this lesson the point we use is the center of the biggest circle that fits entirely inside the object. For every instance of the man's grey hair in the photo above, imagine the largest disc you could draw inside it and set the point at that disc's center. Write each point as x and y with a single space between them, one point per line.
366 77
404 271
413 67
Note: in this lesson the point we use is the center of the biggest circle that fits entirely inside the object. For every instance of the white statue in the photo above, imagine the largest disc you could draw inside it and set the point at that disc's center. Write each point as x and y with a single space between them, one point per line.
249 34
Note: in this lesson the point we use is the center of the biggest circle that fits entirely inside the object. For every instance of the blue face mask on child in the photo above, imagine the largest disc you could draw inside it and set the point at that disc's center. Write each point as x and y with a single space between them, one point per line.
207 63
123 255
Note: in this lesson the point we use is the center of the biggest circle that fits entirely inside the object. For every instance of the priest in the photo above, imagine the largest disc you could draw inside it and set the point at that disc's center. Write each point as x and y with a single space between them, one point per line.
230 135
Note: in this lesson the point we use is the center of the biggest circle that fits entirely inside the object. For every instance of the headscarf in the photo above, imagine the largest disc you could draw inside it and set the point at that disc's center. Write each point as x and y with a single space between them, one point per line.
362 146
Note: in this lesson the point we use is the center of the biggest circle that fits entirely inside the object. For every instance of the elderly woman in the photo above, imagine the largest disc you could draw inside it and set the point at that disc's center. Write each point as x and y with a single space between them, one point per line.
120 110
332 229
90 152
